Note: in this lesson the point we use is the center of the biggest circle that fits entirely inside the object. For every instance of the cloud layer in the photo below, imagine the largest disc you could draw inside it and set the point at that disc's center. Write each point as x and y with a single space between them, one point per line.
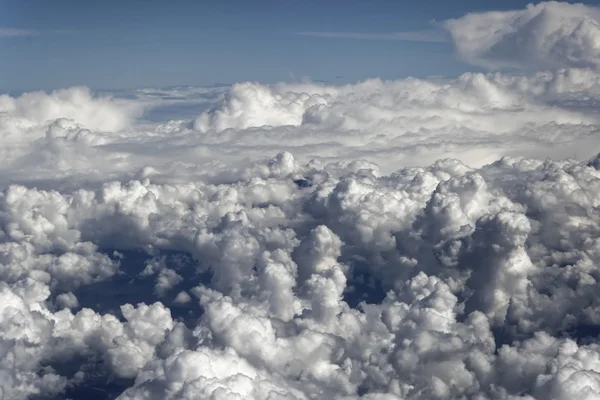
73 136
437 282
384 240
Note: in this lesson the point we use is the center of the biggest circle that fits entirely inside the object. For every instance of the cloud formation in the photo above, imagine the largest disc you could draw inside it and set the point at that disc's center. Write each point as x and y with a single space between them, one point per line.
544 35
73 136
383 240
467 262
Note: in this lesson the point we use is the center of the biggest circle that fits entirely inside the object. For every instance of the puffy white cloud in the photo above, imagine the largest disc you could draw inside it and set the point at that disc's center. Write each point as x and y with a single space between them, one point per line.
207 373
544 35
253 104
470 259
76 103
476 118
407 239
67 300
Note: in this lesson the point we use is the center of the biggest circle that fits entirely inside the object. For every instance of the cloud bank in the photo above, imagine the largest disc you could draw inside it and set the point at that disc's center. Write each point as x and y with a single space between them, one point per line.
73 136
383 240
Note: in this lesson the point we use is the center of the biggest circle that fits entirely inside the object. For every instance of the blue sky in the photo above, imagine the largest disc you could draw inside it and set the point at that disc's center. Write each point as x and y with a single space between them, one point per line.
116 44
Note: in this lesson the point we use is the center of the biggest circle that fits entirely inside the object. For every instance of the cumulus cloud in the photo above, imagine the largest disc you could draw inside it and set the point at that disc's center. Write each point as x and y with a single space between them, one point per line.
544 35
467 262
73 137
475 118
384 240
77 104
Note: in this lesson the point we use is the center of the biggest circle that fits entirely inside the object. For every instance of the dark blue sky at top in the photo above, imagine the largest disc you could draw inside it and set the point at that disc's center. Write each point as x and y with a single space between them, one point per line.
117 44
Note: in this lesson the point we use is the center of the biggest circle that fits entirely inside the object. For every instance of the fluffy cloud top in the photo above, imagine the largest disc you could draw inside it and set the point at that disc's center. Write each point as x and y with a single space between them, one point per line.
77 103
475 118
486 284
384 240
544 35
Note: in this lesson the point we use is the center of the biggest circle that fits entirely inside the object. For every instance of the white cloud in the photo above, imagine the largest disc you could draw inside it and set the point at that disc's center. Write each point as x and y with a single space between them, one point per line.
72 135
544 35
464 254
77 103
475 118
407 239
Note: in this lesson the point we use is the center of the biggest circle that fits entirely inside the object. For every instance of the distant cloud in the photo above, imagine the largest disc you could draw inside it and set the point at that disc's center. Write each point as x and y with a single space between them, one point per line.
15 32
547 35
415 36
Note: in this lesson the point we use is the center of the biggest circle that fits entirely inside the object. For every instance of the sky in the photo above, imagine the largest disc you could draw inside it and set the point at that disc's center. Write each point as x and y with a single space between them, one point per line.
341 200
126 44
